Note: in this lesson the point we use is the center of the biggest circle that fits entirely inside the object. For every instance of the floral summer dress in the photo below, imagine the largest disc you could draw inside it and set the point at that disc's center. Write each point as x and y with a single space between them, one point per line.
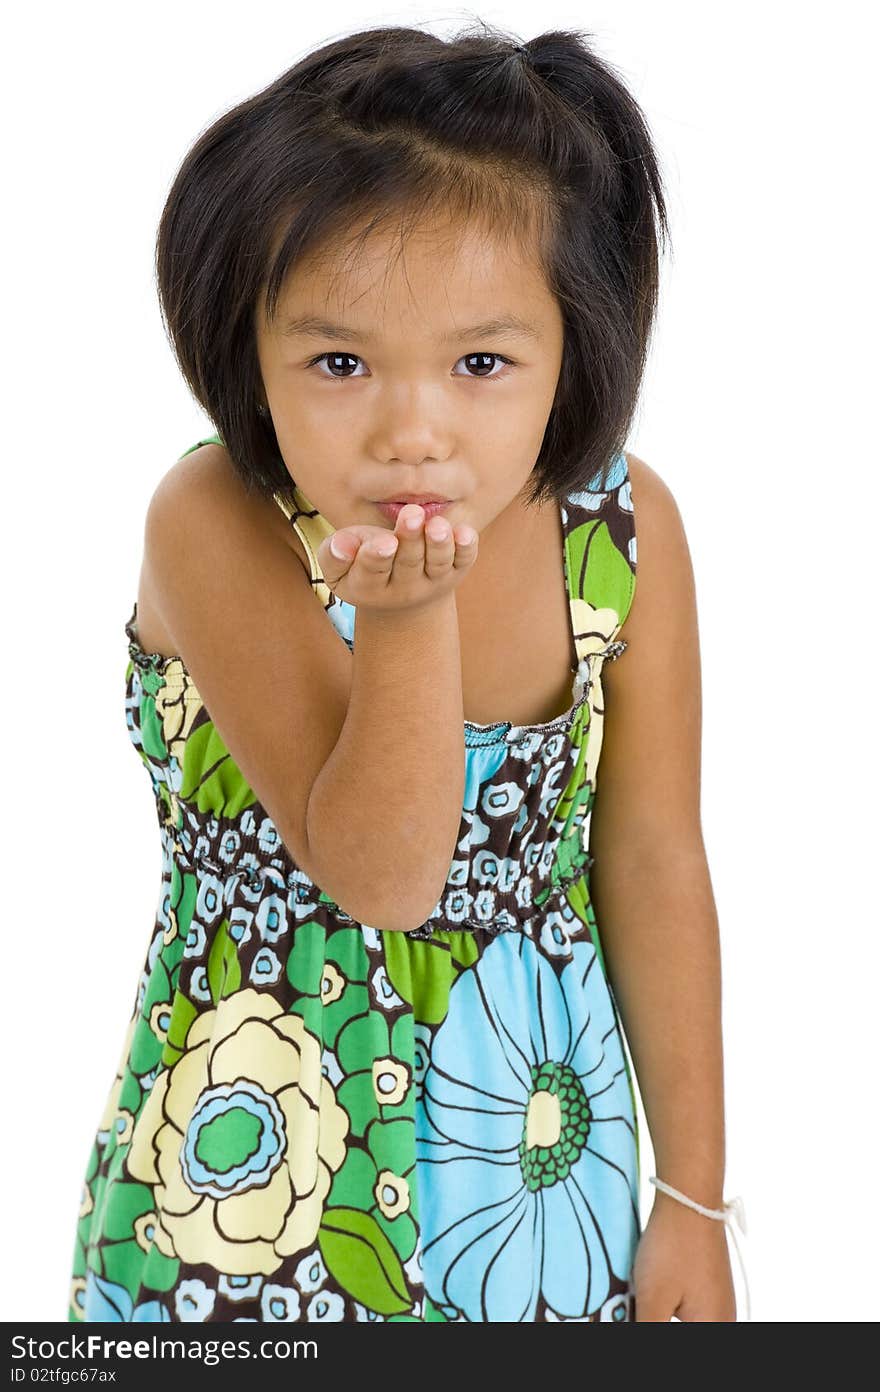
316 1119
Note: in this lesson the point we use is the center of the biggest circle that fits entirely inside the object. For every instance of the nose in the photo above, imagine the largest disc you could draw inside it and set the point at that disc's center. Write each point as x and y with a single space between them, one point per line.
412 427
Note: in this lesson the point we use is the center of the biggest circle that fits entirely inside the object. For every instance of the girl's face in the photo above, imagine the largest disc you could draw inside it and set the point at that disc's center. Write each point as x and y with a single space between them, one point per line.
411 382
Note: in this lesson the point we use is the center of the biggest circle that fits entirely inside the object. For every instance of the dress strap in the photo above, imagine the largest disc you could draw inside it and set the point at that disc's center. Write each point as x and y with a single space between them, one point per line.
209 440
600 554
311 528
306 521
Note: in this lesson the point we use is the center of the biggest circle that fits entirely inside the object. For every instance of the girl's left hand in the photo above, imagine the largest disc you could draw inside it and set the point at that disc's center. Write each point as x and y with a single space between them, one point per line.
682 1266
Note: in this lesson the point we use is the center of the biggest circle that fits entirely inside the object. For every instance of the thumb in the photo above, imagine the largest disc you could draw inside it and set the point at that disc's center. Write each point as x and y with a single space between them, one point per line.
343 545
336 554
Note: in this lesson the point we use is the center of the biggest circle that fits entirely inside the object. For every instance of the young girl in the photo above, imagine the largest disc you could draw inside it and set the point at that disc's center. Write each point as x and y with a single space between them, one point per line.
375 1068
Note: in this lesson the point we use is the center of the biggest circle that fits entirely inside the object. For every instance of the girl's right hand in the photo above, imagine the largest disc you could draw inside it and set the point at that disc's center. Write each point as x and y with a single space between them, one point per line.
418 569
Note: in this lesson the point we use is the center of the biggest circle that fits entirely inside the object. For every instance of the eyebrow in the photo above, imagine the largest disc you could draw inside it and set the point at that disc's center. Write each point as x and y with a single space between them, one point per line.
511 325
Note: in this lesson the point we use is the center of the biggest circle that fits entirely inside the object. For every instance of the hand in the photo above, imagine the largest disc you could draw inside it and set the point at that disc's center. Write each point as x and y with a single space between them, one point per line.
682 1266
423 564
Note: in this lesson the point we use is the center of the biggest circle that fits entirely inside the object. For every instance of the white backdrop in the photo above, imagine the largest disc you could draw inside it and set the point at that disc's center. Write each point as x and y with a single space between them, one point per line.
756 411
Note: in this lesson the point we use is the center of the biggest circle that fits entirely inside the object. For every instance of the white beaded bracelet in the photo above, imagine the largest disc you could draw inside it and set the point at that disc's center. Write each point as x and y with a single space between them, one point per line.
732 1209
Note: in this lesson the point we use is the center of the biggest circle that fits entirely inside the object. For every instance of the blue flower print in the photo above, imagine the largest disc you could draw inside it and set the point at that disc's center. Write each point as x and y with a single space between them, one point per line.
327 1307
271 917
342 615
209 904
279 1303
194 1300
111 1303
239 1287
537 1122
265 968
311 1273
616 479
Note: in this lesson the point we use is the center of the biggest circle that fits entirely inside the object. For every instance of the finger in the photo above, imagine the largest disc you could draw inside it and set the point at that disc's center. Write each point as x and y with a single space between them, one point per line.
378 553
343 546
351 536
336 555
409 520
439 545
465 545
409 530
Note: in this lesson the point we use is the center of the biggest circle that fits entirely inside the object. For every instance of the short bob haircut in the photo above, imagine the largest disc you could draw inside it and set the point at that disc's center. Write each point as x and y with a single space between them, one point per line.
539 142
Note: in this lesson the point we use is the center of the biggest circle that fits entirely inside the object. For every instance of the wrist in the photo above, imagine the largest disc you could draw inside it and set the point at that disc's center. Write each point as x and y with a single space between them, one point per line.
703 1189
398 618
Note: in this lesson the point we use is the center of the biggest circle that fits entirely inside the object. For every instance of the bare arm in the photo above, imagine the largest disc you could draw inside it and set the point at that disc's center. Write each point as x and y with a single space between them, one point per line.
386 806
377 735
650 881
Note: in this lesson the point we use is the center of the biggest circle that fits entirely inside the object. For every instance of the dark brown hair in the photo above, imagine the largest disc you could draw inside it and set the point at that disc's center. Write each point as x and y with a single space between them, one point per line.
540 142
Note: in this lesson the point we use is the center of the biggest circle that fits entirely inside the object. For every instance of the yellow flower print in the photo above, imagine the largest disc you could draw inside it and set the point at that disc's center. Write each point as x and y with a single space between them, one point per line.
176 710
160 1018
391 1192
240 1139
597 721
333 983
390 1081
593 628
77 1297
124 1126
144 1228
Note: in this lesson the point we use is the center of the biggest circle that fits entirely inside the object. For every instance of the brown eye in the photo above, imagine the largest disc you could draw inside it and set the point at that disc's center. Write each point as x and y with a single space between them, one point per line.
334 360
481 363
484 363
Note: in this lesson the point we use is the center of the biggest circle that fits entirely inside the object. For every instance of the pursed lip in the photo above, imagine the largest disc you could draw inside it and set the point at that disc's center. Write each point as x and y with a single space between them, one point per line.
393 510
403 498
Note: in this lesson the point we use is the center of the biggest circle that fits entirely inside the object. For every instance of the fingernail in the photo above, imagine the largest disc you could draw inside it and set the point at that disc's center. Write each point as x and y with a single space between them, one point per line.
338 550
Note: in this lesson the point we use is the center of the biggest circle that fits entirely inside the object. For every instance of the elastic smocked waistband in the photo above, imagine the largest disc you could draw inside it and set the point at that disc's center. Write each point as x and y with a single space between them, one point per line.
238 861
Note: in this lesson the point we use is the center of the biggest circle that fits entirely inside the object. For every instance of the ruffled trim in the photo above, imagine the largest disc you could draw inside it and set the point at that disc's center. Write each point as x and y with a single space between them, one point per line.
476 734
505 921
199 850
147 662
519 734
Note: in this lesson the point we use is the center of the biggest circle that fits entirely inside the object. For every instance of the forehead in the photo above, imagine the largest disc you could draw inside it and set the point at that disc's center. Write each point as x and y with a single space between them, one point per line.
435 274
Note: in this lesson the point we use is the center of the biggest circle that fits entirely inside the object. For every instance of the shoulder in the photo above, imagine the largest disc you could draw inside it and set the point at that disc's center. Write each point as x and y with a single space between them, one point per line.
205 484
